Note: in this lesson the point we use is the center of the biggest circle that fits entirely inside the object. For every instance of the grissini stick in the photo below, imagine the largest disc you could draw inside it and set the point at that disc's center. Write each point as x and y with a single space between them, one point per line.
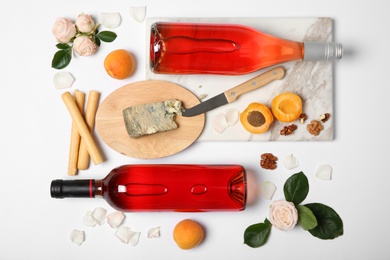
75 138
90 113
82 127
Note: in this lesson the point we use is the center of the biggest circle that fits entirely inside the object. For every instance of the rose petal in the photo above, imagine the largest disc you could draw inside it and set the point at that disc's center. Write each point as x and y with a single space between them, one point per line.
290 162
127 236
111 20
267 190
324 172
232 116
63 80
219 123
154 232
88 220
99 214
138 13
115 219
123 233
134 238
77 236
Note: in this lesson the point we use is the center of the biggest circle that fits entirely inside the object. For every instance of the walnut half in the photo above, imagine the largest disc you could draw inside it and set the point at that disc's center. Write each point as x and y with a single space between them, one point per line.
315 127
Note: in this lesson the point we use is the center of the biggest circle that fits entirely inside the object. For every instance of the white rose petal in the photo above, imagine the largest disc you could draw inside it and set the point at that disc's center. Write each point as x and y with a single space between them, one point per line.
154 232
127 236
77 236
219 123
123 233
99 214
134 238
324 172
110 20
115 219
88 220
290 162
138 13
63 80
232 116
267 190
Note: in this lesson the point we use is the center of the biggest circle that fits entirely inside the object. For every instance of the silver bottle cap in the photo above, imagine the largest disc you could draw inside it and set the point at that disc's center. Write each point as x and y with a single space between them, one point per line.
323 51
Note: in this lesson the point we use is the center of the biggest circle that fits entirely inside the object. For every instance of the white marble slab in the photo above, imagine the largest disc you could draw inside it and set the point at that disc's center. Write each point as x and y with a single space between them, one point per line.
312 81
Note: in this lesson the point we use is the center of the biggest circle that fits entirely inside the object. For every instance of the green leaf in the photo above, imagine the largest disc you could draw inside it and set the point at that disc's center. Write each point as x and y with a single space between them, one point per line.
63 46
330 225
97 41
61 59
306 218
106 36
296 188
257 235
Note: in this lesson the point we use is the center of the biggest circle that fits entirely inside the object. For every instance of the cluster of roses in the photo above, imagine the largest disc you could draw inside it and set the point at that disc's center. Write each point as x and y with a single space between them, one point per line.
83 36
318 219
81 33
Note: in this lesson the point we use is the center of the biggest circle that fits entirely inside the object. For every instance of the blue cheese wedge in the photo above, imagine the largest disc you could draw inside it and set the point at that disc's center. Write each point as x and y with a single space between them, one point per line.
146 119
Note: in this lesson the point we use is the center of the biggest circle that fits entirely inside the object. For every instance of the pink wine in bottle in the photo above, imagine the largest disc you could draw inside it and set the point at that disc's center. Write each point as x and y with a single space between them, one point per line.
201 48
184 188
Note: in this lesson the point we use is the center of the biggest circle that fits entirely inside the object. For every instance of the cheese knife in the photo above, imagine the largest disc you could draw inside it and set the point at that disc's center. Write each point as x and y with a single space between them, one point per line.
232 94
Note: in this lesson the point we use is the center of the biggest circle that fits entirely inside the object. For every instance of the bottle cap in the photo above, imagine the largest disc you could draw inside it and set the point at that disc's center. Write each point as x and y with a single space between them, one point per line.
322 51
60 189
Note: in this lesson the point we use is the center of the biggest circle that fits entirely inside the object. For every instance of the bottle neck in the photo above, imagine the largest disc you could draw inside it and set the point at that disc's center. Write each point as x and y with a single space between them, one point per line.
322 51
73 189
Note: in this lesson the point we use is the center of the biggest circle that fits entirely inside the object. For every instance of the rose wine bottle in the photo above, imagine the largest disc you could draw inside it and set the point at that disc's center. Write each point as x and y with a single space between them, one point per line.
196 48
185 188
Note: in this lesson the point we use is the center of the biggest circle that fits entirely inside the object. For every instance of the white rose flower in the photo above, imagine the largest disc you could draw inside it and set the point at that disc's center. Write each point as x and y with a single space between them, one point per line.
85 23
283 215
84 46
64 30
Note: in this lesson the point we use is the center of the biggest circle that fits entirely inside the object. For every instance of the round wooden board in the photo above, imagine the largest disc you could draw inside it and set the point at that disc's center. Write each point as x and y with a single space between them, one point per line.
111 128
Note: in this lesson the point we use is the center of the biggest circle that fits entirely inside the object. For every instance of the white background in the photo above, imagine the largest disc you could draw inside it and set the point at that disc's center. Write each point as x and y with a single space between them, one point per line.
35 128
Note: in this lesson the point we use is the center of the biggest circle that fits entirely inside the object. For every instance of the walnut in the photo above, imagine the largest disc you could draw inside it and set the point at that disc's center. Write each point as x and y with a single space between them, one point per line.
288 130
315 127
302 118
324 117
268 161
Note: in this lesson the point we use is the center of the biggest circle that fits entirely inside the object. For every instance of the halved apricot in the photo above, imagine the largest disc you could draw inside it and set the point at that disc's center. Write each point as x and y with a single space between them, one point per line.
287 107
256 118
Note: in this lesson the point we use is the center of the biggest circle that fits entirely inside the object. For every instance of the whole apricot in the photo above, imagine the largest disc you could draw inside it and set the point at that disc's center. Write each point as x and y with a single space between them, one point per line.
188 234
119 64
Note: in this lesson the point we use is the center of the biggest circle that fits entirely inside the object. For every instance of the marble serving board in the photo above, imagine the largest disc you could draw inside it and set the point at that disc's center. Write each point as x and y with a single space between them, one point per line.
312 81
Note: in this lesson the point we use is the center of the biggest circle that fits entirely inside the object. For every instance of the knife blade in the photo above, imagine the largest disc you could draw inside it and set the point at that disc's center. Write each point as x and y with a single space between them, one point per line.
232 94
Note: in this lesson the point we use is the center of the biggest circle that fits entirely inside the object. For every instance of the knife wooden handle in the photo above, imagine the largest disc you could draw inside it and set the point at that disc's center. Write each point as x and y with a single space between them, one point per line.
254 83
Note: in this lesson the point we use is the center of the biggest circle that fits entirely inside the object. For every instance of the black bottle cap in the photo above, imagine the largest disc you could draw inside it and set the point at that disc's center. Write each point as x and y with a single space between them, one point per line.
60 189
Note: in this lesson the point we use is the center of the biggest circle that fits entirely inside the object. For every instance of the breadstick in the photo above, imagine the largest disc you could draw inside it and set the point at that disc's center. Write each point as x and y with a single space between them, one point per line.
75 137
90 112
82 127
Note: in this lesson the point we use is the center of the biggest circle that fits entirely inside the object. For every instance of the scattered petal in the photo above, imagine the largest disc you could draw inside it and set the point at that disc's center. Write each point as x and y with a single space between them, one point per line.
99 214
138 13
110 20
77 236
324 172
154 232
232 116
115 219
219 123
127 236
88 220
267 190
63 80
290 162
134 238
123 233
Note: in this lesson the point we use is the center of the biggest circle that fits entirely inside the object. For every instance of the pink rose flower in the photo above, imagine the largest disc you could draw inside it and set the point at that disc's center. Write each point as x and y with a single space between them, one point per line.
283 215
84 46
85 23
64 30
